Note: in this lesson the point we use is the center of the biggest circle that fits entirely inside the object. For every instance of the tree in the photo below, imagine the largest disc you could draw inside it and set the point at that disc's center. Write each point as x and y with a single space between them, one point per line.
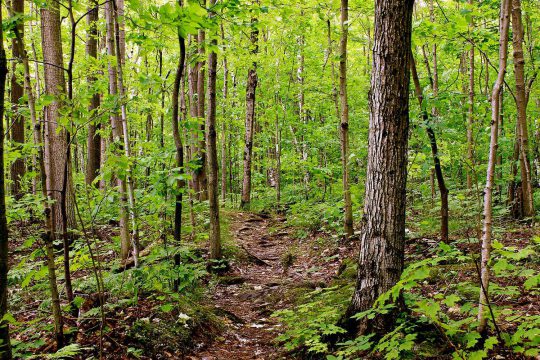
56 134
5 344
17 91
117 128
488 191
348 218
93 138
251 91
521 105
382 246
211 148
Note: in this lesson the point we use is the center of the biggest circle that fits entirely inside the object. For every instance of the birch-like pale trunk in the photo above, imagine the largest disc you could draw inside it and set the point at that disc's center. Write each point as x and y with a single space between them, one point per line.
488 191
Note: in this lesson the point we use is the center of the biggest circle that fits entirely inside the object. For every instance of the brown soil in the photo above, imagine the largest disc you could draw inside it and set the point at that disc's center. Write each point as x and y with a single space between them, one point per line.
274 266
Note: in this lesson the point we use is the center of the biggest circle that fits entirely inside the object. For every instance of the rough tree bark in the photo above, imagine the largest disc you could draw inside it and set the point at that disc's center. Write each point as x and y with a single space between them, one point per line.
380 263
251 90
17 91
94 139
214 235
55 150
488 191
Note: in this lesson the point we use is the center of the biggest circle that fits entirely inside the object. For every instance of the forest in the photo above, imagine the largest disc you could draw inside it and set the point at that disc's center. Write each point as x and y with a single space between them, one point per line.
269 179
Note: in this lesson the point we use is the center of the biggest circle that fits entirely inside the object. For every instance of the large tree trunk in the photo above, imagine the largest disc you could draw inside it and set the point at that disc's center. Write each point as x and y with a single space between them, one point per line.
521 104
56 139
488 191
214 234
56 154
380 263
251 90
17 91
5 344
347 204
94 139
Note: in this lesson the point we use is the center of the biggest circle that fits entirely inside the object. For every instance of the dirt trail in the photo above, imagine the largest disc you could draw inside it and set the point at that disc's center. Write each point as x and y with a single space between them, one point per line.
252 291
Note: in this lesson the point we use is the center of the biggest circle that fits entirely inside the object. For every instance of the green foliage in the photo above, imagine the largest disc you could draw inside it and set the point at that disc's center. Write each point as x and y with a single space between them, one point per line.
448 313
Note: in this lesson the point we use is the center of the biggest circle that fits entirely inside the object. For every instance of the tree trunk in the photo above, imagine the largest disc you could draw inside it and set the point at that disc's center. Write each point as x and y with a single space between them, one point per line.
56 136
117 131
177 137
224 129
347 204
5 344
382 248
251 89
521 105
202 178
178 80
434 151
214 235
17 91
470 116
94 139
487 226
120 49
56 154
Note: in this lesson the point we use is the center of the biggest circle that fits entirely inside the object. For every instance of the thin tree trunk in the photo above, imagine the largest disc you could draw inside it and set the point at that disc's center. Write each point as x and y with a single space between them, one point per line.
344 127
5 344
251 90
224 127
382 248
94 138
521 104
487 226
117 131
127 151
214 234
18 168
202 174
178 80
434 151
470 116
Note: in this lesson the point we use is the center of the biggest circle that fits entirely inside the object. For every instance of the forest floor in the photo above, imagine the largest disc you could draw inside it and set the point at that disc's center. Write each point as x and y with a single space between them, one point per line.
276 268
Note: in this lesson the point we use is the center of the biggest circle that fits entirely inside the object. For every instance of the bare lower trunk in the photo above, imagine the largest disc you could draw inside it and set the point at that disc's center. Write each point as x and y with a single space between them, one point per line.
381 259
487 227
